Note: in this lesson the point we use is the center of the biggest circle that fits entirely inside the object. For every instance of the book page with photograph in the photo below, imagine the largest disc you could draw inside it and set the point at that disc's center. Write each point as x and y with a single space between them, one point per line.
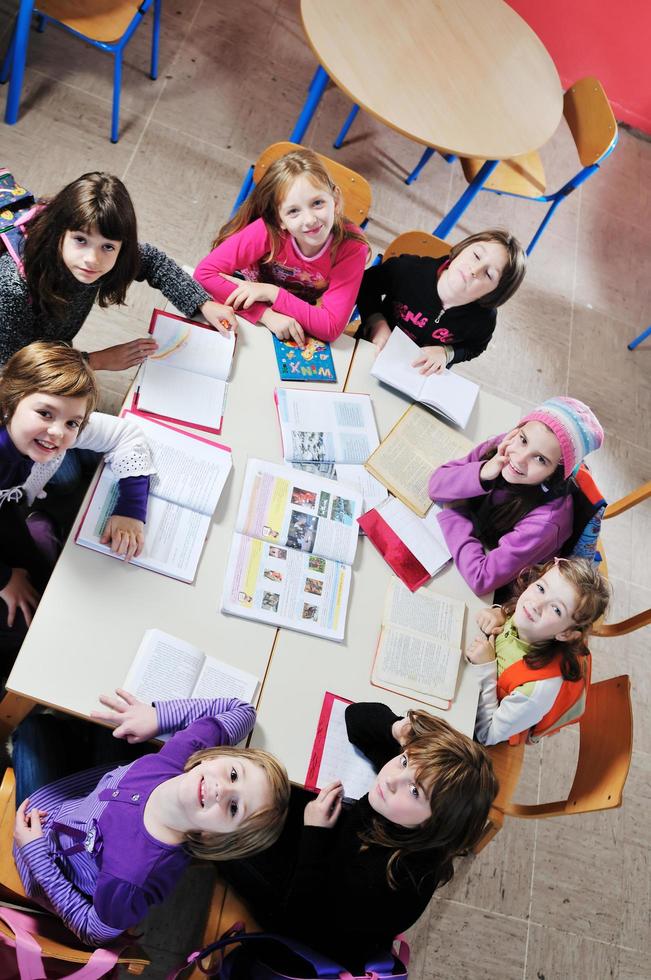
326 426
352 475
299 510
416 445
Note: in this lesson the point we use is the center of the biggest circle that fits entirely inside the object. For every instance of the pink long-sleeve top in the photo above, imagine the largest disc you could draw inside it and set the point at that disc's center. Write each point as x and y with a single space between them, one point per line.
301 280
537 537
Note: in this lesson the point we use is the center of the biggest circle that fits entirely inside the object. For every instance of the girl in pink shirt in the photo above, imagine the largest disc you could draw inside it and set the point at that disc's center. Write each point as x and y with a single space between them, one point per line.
294 247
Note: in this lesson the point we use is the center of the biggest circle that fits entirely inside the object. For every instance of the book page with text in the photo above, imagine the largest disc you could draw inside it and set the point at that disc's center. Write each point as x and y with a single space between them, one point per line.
219 680
326 426
340 759
393 364
181 395
190 347
164 668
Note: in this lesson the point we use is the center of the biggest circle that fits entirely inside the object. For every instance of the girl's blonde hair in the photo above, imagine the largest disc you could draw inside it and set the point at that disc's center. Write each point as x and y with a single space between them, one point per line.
593 595
93 201
261 829
514 270
48 368
461 785
268 195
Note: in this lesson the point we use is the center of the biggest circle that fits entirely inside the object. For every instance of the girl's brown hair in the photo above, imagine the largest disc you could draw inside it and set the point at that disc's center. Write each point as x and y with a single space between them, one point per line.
261 829
593 594
48 368
514 269
461 785
267 196
93 201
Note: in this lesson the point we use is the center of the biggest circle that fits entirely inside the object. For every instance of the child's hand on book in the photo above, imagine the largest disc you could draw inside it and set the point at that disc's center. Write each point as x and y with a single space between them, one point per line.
220 316
247 293
325 810
122 356
283 327
481 651
432 360
133 720
490 621
124 535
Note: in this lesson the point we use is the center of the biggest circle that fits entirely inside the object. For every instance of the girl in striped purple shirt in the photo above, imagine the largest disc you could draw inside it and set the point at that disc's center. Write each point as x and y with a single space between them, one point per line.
100 848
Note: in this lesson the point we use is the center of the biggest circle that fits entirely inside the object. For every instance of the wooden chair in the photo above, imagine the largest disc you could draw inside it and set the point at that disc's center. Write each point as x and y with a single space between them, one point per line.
53 938
355 189
226 908
106 24
601 769
641 619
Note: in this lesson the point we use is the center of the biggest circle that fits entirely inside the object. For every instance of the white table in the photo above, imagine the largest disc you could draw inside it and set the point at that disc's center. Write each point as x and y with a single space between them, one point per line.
303 668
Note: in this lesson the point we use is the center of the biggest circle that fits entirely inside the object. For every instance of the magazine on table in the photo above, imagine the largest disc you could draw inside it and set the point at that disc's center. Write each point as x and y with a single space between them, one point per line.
312 362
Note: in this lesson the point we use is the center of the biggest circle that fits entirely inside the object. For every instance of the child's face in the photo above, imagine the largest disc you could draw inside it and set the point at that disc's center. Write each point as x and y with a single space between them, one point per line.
474 273
398 796
45 425
545 610
308 214
88 255
219 794
533 453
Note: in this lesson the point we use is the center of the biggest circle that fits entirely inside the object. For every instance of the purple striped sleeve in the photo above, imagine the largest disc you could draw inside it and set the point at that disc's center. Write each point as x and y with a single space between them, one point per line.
237 718
73 908
133 492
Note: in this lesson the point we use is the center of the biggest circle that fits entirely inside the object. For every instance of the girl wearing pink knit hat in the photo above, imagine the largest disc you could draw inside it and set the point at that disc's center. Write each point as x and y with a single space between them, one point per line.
509 502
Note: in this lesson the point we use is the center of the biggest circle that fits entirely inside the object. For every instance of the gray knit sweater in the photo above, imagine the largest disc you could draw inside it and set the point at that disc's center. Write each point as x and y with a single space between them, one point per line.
20 326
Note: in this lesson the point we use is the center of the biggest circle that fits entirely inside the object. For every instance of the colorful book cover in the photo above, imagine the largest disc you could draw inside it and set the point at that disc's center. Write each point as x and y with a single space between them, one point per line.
313 363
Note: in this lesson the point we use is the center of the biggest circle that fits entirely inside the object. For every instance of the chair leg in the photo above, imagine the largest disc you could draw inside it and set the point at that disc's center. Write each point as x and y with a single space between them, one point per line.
343 132
638 340
543 225
19 55
245 190
155 39
117 85
445 226
315 91
493 827
5 70
40 24
428 153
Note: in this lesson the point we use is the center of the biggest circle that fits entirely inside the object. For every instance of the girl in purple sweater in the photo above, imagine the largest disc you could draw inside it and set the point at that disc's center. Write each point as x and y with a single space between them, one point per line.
508 503
292 243
100 848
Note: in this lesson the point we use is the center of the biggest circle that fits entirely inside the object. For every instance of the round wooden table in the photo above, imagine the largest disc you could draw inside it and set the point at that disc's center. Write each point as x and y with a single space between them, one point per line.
468 77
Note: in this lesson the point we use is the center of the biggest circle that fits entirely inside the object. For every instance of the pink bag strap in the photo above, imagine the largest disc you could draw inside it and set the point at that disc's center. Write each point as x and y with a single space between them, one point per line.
29 955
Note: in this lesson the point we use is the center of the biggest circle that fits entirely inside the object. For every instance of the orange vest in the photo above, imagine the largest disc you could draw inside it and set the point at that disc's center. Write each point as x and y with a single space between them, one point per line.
569 704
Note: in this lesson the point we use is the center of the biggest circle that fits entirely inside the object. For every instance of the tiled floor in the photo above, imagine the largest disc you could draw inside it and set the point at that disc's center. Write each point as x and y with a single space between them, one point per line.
567 898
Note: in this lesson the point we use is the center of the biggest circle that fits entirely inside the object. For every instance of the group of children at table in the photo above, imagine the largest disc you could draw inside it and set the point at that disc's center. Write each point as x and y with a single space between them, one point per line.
100 847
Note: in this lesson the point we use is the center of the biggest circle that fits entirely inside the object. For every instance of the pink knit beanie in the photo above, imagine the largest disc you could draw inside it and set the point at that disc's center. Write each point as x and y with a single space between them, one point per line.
575 426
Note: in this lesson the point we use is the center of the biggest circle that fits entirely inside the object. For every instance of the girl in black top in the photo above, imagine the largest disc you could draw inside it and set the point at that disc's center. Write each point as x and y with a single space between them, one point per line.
346 880
446 305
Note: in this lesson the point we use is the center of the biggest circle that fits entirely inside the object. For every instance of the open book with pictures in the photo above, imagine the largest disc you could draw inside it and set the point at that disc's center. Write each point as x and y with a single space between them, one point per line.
332 434
419 649
447 393
185 380
294 544
166 668
417 445
190 475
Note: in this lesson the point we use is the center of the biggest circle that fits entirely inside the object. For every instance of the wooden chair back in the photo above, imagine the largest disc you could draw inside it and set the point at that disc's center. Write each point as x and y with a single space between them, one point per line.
590 118
53 938
355 189
417 243
101 20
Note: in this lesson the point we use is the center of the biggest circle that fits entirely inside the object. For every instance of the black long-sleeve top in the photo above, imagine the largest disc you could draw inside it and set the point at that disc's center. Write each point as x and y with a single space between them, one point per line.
404 290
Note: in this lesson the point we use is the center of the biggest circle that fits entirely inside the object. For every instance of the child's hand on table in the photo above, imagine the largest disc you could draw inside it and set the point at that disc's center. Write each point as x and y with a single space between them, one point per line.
124 535
122 356
28 824
220 316
481 651
134 721
401 730
431 360
490 621
284 327
379 334
325 810
20 594
247 293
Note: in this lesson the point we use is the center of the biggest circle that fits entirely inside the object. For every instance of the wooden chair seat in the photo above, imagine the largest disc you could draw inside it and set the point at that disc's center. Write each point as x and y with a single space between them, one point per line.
524 175
101 20
417 243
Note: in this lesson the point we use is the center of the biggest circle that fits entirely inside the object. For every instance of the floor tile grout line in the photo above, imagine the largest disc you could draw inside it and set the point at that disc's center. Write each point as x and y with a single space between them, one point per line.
533 865
481 908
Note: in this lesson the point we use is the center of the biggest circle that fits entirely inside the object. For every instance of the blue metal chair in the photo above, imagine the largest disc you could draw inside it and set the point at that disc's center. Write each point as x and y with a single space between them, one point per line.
638 340
106 24
594 129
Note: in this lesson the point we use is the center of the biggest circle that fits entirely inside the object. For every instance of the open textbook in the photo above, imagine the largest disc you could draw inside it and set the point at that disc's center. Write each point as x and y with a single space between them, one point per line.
185 380
447 393
294 544
166 667
332 434
190 475
334 757
414 547
416 445
419 650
